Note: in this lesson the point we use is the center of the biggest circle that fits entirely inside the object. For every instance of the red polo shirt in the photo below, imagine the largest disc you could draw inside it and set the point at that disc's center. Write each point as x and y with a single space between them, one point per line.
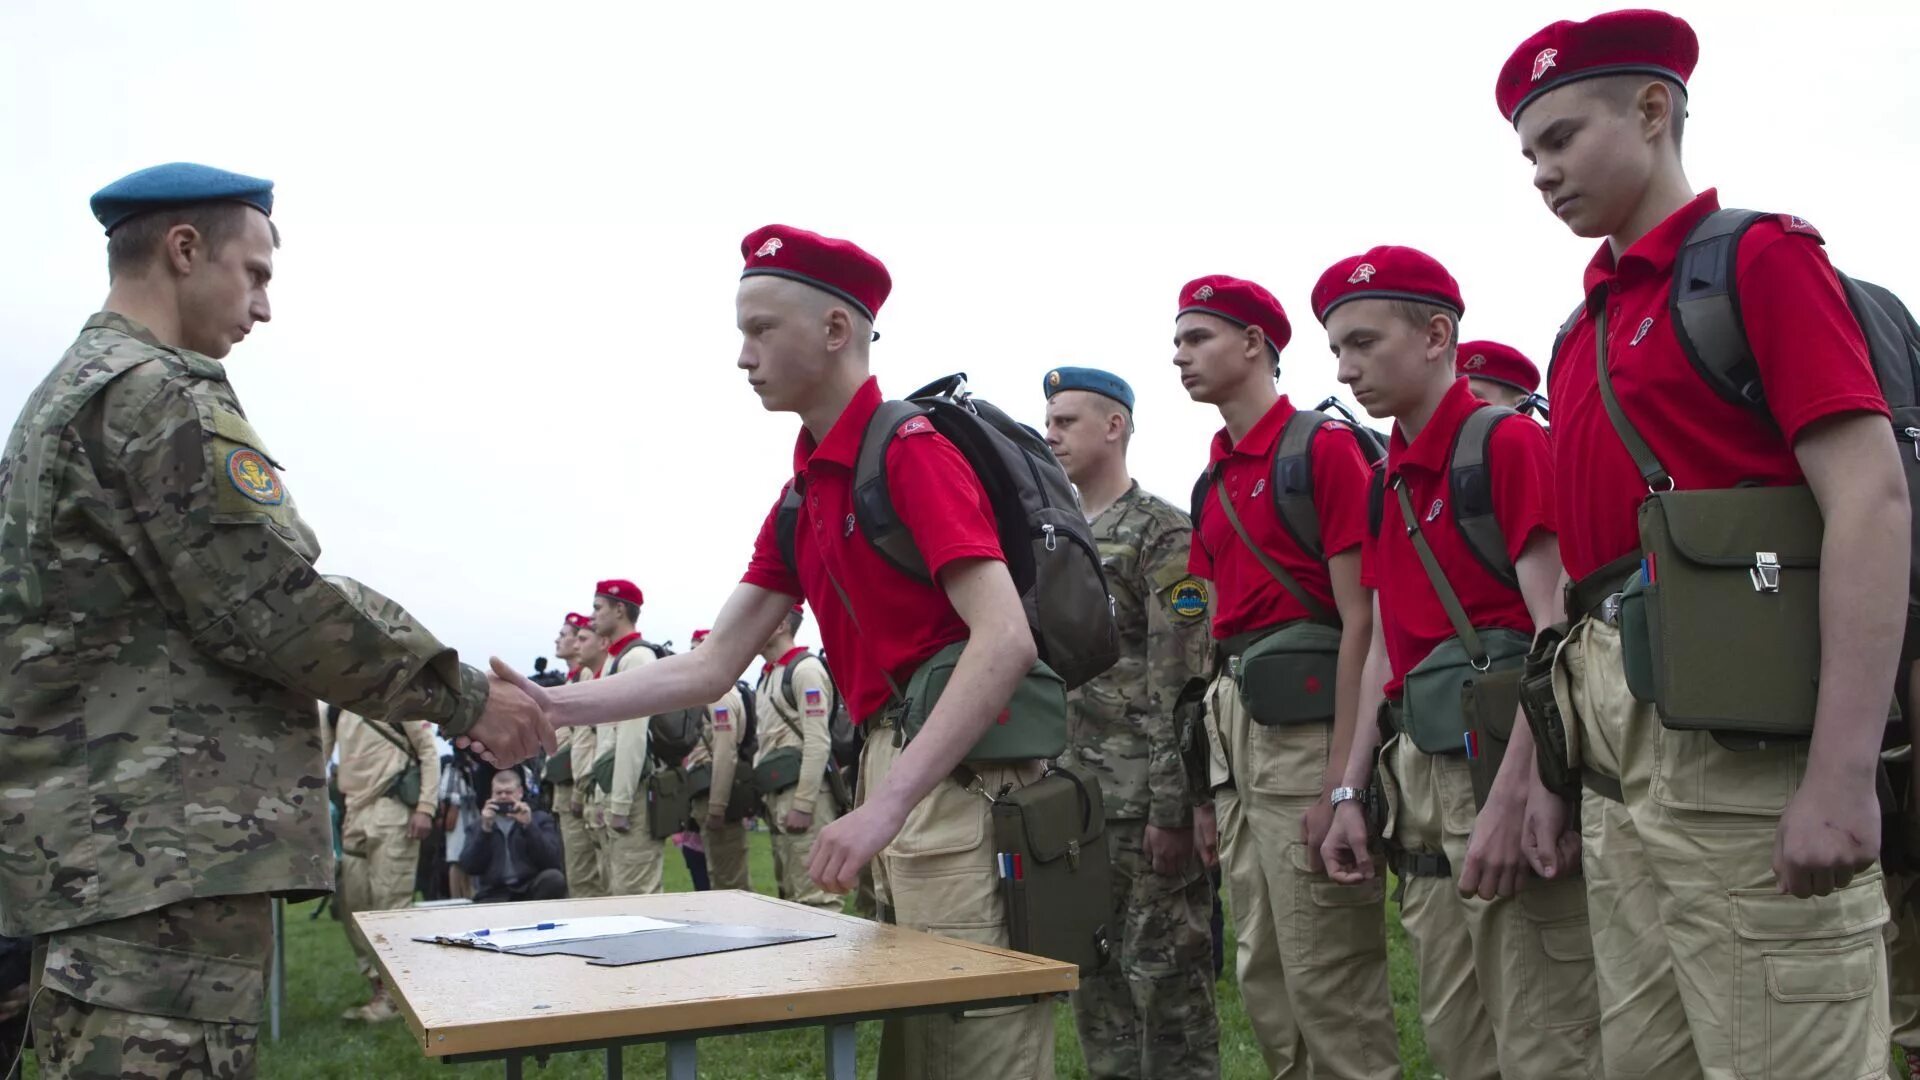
1245 595
1811 355
902 622
1520 466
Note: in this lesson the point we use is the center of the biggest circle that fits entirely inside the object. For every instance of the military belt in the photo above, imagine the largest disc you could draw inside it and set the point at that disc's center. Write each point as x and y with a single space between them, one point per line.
1604 786
1413 864
1227 648
1594 595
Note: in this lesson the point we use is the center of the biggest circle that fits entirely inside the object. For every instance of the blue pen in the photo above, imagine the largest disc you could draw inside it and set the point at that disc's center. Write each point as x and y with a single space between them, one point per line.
511 929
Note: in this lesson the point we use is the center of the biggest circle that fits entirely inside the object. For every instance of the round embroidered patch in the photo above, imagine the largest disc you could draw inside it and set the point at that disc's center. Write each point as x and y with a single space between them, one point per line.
253 477
1188 598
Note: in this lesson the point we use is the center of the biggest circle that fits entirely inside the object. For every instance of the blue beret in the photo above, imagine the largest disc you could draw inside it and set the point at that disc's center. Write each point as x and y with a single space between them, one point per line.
177 184
1086 378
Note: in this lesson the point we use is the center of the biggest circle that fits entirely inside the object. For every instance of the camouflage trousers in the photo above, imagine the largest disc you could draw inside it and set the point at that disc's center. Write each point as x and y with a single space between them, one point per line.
174 993
1150 1013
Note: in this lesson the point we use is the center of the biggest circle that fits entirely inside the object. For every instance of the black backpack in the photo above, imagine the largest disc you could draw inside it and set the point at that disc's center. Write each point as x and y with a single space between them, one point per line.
750 724
1469 492
673 735
1291 481
1705 307
845 735
1044 535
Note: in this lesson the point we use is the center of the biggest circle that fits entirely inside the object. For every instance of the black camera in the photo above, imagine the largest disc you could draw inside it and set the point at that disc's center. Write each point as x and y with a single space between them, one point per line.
503 807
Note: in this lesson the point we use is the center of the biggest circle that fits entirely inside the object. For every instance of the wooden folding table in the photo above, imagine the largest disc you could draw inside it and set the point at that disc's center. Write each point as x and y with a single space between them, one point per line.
469 1005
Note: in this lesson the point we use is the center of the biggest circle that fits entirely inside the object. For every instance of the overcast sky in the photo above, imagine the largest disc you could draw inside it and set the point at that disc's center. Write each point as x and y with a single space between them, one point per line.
502 359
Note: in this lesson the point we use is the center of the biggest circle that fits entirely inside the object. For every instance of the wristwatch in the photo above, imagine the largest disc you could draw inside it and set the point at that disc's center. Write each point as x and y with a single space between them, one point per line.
1345 794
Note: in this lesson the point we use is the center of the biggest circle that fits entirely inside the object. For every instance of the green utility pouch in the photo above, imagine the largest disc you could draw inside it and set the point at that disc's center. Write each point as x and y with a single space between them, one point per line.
1636 640
404 788
1439 689
776 771
1287 677
740 801
669 805
699 781
1558 771
1034 724
560 768
1052 861
840 786
1489 702
601 778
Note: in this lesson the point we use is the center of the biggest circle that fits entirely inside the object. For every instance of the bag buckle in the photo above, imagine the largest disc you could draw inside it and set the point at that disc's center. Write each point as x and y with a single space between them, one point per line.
1073 854
1610 610
1765 572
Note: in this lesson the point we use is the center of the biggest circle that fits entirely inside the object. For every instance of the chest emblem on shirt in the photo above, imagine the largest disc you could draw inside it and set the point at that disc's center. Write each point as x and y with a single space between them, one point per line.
1259 487
253 477
1433 512
1640 334
849 531
1188 598
1543 62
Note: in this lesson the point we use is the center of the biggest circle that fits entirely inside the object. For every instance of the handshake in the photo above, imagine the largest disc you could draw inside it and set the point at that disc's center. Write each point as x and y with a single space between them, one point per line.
514 725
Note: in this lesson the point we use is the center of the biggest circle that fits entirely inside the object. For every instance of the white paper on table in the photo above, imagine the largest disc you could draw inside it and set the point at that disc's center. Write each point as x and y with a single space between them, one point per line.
512 937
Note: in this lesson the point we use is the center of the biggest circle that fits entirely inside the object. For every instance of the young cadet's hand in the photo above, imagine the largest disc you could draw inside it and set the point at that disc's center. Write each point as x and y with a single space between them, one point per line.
1347 852
1550 840
1829 833
512 727
1495 864
1313 830
845 847
1206 833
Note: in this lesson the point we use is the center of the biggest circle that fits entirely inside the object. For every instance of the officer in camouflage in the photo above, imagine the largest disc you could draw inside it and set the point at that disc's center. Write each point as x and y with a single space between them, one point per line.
164 635
1151 1012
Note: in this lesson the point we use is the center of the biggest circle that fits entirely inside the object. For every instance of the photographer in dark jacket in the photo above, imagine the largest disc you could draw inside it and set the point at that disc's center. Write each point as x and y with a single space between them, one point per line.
517 854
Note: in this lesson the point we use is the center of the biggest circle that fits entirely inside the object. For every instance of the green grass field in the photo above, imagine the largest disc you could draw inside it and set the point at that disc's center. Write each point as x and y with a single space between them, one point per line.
315 1044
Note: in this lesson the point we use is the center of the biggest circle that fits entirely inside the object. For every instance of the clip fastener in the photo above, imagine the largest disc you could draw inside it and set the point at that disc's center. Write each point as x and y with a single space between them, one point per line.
1765 572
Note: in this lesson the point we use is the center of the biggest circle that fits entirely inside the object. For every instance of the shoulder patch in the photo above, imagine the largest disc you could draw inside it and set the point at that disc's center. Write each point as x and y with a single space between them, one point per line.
1188 598
252 475
1794 224
916 425
722 718
815 702
1333 425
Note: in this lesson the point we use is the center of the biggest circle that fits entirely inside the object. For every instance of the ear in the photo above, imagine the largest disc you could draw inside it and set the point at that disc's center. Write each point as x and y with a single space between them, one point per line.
1116 426
183 246
1654 106
838 327
1440 332
1256 343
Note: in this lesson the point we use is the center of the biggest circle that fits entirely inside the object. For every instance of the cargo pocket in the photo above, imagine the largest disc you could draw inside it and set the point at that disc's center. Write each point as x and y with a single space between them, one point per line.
1810 983
1693 772
150 980
1339 924
1289 761
940 872
1555 949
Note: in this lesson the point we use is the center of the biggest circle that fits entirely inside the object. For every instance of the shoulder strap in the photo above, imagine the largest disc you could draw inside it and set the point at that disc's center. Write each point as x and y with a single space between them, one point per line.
391 731
873 501
1705 305
1376 500
1650 468
1198 502
1450 600
1470 486
1560 338
1292 481
785 524
1286 580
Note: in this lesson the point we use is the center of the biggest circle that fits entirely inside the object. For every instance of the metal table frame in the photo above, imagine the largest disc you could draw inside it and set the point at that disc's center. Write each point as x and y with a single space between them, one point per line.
682 1055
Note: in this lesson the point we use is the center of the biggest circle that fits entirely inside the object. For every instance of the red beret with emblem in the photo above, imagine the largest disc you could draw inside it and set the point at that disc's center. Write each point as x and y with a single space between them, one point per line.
1387 273
1498 363
1638 42
1240 302
619 589
579 621
839 267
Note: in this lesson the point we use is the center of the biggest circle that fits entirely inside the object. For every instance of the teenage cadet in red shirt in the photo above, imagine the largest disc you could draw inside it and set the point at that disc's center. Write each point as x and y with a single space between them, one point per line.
1712 960
1497 374
1505 963
805 309
1312 954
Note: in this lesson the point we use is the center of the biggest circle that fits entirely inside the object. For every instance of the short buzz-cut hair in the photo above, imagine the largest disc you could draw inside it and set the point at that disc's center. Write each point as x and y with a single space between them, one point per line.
134 242
1418 314
1619 91
794 621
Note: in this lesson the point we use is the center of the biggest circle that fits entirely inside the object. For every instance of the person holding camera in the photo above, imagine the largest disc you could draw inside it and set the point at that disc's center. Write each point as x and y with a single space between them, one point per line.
517 855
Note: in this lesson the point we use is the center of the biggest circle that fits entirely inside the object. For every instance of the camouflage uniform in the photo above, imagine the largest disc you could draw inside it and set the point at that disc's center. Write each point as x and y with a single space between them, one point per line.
1151 1012
164 635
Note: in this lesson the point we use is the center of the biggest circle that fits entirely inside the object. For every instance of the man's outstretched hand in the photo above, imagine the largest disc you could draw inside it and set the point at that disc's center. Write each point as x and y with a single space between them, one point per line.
514 726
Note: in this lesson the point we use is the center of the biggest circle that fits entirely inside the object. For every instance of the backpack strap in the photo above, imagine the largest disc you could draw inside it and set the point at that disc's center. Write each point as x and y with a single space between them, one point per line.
1450 600
1560 338
1705 305
786 523
1198 501
1376 500
390 730
1470 485
1292 481
1287 581
873 503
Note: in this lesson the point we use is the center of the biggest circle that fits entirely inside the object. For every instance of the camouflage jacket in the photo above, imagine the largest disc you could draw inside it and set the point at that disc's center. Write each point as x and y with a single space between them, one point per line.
1121 725
163 635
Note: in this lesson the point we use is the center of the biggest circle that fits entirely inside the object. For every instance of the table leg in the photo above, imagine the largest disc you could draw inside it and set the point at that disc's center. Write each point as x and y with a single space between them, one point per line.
514 1062
616 1065
680 1059
840 1051
277 992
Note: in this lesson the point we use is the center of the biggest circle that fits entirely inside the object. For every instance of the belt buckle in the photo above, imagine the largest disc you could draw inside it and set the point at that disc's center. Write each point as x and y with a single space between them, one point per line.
1610 610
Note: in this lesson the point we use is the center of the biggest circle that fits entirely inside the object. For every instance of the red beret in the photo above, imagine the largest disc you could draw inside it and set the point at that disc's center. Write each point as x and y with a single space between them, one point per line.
617 589
837 266
700 635
1498 363
1240 302
1651 43
578 621
1387 273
